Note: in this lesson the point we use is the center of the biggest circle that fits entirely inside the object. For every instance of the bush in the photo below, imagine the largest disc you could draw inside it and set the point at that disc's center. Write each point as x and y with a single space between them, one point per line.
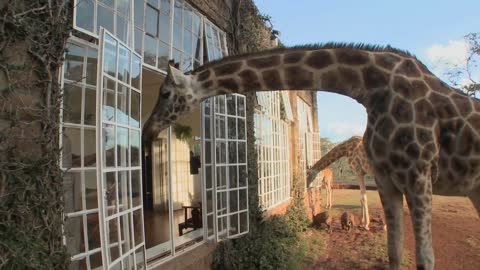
267 247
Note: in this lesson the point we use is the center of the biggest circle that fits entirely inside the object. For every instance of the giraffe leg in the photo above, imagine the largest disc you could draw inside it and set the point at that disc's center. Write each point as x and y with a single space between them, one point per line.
419 200
392 202
474 196
363 201
329 196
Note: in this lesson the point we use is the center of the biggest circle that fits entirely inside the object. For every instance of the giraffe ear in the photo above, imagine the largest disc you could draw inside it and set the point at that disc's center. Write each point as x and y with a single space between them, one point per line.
175 74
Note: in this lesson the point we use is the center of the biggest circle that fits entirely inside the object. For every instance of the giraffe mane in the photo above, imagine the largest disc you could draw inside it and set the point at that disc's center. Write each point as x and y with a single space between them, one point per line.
311 47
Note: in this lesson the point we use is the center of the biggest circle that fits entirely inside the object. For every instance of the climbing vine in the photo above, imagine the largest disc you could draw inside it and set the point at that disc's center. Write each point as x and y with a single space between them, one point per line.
269 243
33 34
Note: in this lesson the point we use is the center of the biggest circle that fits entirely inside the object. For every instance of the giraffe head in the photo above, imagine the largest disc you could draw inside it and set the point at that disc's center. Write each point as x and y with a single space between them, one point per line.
175 99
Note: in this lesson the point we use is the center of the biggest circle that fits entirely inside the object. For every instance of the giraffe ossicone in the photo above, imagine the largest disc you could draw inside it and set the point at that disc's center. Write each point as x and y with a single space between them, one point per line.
422 136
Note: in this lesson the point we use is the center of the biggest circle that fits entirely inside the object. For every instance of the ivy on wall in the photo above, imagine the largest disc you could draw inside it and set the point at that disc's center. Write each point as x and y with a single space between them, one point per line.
269 243
33 34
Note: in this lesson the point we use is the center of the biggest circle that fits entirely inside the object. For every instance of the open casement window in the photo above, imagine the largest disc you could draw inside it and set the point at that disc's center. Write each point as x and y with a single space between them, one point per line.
225 154
287 106
119 169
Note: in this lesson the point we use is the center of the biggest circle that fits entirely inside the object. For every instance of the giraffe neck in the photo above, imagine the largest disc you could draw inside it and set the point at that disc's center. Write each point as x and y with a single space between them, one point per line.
339 151
346 71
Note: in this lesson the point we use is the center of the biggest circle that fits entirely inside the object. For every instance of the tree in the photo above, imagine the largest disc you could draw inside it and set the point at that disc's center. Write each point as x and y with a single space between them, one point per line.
466 76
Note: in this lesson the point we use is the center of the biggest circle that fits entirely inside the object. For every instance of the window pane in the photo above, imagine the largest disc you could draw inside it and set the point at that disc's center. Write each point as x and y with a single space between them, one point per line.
138 226
207 127
71 144
187 17
93 231
110 56
232 176
232 127
96 260
242 195
72 192
153 2
242 176
140 256
221 152
135 109
123 6
136 67
110 184
163 54
124 64
177 36
122 190
134 148
186 64
122 104
90 113
74 235
231 109
241 128
107 2
196 24
165 6
151 21
108 108
84 16
122 146
74 62
233 224
138 40
221 177
123 29
187 42
164 28
92 58
136 188
149 50
208 177
91 196
104 18
138 13
108 145
89 147
232 152
113 251
178 12
220 127
243 222
72 103
177 56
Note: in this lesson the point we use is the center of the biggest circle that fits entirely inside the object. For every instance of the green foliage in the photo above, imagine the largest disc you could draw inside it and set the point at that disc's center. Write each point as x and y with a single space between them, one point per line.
182 132
296 215
267 247
270 243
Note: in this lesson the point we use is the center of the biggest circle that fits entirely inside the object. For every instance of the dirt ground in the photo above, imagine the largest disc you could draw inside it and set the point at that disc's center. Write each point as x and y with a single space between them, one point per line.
456 237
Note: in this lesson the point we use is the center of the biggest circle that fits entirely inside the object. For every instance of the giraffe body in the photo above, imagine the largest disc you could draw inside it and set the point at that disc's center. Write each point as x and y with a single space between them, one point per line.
327 182
422 136
353 150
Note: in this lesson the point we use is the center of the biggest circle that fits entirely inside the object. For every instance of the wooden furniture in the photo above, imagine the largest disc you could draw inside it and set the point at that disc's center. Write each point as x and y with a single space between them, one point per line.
195 221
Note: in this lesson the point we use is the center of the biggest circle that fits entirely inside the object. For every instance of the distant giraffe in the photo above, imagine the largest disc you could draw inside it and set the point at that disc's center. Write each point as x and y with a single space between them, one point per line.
327 182
359 163
422 136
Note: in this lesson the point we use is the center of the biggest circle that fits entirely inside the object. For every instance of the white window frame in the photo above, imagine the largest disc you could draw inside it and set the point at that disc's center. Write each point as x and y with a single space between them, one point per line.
272 145
102 169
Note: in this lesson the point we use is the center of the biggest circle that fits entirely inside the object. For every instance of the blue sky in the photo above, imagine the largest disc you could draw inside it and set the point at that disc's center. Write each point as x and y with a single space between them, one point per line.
430 29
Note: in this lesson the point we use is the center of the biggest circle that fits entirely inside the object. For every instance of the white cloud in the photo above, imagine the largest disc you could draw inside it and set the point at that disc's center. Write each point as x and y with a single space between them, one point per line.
453 53
341 129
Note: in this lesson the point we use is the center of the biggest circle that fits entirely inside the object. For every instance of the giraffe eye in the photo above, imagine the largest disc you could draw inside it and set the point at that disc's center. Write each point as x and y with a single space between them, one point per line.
165 95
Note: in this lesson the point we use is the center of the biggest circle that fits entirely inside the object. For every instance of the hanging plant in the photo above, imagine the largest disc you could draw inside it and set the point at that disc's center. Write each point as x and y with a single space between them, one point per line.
182 132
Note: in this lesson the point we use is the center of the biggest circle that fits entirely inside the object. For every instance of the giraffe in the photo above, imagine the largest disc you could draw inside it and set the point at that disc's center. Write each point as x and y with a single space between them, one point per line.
422 136
327 182
359 163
